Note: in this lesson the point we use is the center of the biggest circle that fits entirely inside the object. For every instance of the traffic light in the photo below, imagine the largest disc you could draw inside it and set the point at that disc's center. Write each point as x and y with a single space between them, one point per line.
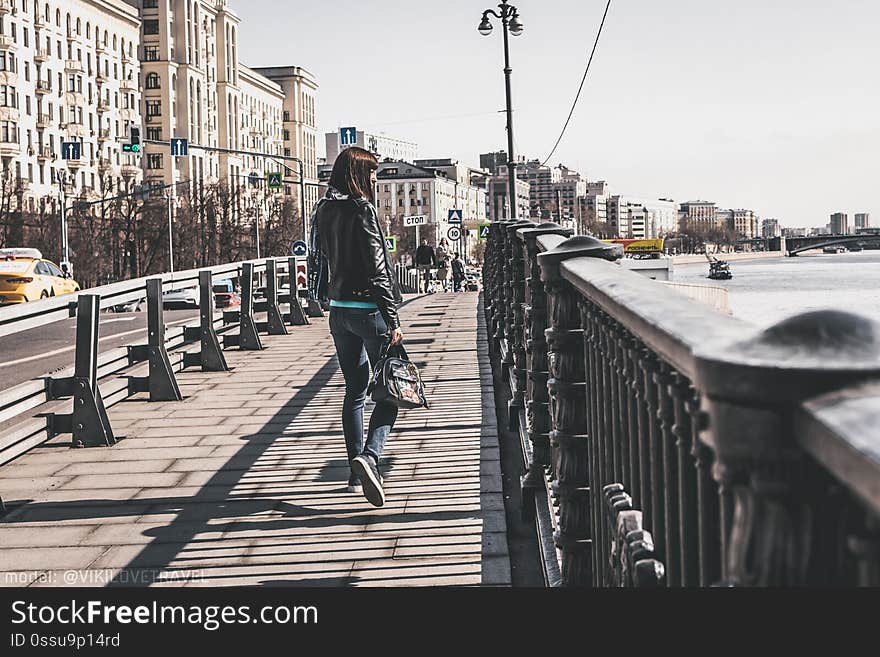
134 140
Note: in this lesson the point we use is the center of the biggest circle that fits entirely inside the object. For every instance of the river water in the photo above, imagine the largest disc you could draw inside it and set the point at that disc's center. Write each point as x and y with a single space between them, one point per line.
768 290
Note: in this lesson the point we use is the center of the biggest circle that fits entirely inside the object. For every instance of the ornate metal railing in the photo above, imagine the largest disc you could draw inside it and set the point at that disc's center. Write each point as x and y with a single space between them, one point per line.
668 444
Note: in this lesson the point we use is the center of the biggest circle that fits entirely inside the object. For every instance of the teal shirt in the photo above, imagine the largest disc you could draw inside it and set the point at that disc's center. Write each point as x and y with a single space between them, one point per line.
352 304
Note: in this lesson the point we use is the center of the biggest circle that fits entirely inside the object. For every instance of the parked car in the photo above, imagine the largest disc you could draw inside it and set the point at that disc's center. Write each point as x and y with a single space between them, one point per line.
26 276
225 294
136 306
187 296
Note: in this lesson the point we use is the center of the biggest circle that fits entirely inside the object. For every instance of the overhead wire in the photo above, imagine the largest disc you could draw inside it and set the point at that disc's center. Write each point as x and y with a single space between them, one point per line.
581 87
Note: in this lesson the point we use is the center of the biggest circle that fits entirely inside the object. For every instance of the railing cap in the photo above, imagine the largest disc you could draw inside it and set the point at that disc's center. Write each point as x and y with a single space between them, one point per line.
797 358
545 228
579 246
513 226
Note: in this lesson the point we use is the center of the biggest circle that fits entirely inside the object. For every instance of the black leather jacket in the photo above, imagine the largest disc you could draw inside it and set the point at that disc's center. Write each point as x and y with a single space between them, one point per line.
360 266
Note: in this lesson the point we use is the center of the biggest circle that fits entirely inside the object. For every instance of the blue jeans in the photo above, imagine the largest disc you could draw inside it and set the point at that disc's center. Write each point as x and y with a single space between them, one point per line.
359 334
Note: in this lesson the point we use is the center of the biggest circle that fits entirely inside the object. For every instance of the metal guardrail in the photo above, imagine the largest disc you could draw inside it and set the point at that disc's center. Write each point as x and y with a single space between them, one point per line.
98 380
668 444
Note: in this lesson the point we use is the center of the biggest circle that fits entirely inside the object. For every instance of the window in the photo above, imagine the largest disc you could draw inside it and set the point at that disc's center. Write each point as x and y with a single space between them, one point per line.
286 134
154 134
151 53
154 161
7 62
154 108
151 4
152 81
286 115
8 132
151 26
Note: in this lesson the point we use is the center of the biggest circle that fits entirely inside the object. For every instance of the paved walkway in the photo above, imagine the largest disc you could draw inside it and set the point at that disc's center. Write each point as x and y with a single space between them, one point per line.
243 482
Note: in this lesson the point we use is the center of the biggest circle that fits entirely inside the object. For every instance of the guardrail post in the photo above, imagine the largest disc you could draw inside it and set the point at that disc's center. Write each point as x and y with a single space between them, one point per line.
532 343
771 531
511 292
88 423
275 323
210 356
567 387
495 278
248 338
297 316
161 383
516 317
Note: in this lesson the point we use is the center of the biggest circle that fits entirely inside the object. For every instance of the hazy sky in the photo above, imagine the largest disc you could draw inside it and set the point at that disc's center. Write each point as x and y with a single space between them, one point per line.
772 105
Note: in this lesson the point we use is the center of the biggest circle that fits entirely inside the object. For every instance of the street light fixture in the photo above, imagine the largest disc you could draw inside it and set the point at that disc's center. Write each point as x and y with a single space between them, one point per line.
510 21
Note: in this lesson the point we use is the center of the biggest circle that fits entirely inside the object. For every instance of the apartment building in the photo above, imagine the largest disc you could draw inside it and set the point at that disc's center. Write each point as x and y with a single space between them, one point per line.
382 146
498 194
697 214
68 72
745 223
770 228
299 130
404 189
862 220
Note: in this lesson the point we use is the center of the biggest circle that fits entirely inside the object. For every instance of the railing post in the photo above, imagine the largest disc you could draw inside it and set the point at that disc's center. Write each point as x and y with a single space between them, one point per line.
495 291
248 339
161 383
88 423
297 316
533 342
512 288
568 406
210 357
749 391
275 323
516 316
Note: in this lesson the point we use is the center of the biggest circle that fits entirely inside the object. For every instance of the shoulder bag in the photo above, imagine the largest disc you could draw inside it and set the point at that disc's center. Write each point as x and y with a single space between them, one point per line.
396 379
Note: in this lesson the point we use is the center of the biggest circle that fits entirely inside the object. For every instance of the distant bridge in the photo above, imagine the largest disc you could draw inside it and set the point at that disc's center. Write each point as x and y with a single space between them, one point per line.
795 245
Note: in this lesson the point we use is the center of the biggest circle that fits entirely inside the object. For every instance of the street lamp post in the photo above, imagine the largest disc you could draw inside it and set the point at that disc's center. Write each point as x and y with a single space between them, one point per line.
170 234
510 21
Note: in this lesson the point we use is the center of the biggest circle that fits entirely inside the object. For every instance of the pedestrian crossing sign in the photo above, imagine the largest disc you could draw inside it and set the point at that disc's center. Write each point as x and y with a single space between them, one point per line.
484 231
391 243
274 179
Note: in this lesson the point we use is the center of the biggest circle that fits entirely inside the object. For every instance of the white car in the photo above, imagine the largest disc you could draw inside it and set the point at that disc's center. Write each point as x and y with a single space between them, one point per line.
188 296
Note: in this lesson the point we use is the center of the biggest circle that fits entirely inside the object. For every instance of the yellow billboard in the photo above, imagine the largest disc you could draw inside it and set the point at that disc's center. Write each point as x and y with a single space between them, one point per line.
639 246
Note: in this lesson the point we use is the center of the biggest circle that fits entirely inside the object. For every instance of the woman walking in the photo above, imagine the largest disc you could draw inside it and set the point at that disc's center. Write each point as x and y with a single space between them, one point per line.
443 263
355 273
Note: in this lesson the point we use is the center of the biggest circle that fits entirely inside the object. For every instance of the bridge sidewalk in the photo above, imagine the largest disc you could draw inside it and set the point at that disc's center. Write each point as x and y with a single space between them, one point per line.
243 482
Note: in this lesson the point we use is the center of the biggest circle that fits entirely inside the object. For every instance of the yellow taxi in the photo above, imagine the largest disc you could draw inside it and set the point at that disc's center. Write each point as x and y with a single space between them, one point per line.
26 276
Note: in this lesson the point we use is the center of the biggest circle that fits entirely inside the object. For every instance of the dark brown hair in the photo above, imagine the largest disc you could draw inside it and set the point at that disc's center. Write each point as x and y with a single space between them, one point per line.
351 172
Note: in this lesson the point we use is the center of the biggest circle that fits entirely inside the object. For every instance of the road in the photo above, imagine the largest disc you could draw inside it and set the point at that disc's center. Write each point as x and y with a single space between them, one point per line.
46 349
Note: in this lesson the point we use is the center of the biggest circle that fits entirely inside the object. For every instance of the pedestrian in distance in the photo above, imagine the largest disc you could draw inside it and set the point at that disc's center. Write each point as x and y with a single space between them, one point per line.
356 275
443 263
457 273
426 260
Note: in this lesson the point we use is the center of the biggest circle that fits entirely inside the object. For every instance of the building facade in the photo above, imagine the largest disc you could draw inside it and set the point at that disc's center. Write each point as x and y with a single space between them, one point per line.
770 228
839 223
68 73
382 146
404 189
697 214
300 133
862 220
498 193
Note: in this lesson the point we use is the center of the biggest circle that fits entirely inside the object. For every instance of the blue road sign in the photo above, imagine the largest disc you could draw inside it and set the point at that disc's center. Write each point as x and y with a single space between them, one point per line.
273 179
454 216
299 248
71 150
348 136
179 147
484 232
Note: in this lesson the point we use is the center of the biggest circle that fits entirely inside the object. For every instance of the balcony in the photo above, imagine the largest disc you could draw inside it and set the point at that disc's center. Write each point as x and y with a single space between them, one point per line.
104 165
103 106
76 129
39 21
7 43
75 98
9 114
7 6
100 78
127 59
73 66
43 87
71 36
9 148
43 121
103 134
100 48
41 55
45 153
130 170
128 114
127 86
